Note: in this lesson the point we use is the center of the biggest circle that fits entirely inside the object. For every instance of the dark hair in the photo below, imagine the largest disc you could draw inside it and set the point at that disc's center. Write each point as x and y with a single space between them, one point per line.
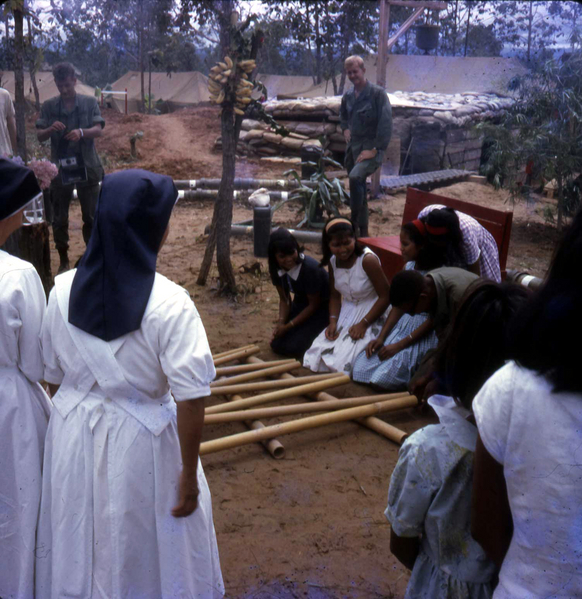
63 70
340 229
446 248
280 242
477 342
406 287
550 325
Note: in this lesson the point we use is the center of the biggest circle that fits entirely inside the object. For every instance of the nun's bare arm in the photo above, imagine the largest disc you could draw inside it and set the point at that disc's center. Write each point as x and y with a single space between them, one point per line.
190 423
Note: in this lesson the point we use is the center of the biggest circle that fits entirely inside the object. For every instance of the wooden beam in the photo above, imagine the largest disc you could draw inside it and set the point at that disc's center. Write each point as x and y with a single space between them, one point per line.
415 4
383 33
404 27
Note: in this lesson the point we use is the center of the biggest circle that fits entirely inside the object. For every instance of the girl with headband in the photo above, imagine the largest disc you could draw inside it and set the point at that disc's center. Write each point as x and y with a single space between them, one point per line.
24 406
359 297
128 362
391 359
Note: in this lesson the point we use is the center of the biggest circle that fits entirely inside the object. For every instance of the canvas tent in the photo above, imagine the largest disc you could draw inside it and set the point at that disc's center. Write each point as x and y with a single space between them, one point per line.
430 74
175 90
45 83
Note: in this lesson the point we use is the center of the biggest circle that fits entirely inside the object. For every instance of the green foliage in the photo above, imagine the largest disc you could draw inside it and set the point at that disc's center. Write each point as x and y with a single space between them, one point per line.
544 130
326 195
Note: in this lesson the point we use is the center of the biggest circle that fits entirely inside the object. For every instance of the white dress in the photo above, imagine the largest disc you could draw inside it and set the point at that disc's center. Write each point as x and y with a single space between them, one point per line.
113 461
24 412
358 296
536 435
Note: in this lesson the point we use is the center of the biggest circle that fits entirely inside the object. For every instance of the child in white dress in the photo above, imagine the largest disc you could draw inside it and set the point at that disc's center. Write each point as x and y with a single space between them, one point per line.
429 500
24 406
359 297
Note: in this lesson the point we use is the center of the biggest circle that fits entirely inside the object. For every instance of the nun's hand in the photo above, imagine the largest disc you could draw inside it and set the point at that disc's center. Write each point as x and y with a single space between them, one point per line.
187 495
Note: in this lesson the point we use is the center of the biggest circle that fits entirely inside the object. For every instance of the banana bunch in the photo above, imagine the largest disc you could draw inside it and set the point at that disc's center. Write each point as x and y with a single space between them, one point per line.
222 72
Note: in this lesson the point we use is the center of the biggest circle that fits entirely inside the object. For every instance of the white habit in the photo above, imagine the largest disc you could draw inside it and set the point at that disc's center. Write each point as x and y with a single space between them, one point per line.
113 459
24 411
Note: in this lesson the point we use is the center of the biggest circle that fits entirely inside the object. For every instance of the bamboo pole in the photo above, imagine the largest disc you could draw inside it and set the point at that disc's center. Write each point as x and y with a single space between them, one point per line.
232 351
310 422
271 384
240 368
273 446
300 408
238 355
281 394
370 422
259 374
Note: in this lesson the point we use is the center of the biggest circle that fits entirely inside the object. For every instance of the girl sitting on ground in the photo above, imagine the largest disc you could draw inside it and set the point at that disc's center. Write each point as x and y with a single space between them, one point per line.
429 500
359 297
304 316
390 360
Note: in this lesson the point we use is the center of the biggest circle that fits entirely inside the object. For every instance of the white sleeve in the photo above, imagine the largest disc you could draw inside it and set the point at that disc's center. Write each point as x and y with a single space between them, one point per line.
53 372
184 351
30 301
493 408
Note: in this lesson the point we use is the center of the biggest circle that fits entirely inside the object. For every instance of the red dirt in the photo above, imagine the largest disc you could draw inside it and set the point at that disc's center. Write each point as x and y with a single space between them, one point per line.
312 524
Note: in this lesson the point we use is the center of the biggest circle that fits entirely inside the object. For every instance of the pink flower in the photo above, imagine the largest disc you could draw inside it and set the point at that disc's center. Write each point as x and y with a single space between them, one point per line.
44 170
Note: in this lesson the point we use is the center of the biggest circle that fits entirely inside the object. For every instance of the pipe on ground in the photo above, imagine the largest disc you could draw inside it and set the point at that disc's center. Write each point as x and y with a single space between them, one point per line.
524 279
240 183
302 236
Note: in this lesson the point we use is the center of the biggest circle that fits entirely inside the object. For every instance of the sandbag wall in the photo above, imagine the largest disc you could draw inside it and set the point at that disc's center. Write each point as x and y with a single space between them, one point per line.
430 131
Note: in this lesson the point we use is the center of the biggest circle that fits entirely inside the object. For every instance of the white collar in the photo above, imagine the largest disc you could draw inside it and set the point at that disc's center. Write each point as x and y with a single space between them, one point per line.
294 272
454 418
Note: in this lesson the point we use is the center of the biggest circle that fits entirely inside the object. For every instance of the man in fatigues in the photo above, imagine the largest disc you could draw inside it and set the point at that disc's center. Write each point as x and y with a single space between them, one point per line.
366 120
7 124
71 121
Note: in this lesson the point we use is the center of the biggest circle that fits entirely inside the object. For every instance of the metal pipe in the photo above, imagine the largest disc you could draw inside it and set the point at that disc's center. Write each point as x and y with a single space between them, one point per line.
212 194
303 236
240 183
524 278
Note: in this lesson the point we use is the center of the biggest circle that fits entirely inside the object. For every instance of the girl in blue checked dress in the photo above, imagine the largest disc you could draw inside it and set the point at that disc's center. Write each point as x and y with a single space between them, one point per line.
429 500
390 360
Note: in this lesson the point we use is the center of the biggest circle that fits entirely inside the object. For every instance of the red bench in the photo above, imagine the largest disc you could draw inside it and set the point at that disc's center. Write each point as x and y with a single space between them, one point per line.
497 222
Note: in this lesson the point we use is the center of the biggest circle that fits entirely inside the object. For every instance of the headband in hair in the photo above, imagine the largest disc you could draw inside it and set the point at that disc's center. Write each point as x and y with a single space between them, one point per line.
420 226
338 221
436 230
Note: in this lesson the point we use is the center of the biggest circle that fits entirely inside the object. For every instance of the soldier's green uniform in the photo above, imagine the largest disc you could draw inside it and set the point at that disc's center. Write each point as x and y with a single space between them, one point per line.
84 115
369 119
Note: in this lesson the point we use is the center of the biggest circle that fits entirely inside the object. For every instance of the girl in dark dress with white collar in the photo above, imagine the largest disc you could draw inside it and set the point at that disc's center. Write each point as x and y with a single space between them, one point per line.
303 316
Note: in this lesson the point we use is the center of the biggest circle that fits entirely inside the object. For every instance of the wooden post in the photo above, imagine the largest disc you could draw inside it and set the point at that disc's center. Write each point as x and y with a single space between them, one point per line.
381 72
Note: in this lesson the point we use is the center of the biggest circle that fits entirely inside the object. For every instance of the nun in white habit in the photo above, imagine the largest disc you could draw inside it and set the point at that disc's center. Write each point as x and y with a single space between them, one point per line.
126 511
24 406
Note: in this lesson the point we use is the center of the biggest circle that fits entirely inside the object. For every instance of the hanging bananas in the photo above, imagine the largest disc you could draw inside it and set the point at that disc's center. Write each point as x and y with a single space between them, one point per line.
230 80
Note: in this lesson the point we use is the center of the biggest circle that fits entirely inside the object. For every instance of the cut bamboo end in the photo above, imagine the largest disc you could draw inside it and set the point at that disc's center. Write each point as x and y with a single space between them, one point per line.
239 354
275 395
258 374
242 368
271 384
304 424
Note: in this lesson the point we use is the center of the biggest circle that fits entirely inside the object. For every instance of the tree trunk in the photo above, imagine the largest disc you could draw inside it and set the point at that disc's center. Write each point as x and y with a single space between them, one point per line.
318 44
560 182
455 28
141 53
35 88
529 30
467 32
19 83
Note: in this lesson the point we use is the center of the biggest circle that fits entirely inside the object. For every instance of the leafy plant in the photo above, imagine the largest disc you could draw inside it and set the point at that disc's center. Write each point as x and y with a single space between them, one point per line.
543 130
325 195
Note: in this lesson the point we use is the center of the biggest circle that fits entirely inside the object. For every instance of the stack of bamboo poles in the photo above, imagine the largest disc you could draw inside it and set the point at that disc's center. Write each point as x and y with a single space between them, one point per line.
243 378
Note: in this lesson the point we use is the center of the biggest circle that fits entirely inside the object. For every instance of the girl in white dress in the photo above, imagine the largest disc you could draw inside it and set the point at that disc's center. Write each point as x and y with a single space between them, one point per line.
24 406
359 297
126 510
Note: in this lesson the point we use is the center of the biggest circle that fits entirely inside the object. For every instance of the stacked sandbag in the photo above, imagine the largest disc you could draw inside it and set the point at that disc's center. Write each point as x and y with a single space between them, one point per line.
433 118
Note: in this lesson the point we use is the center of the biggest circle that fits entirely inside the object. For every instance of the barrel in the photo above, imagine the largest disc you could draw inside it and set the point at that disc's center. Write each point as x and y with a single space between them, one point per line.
261 230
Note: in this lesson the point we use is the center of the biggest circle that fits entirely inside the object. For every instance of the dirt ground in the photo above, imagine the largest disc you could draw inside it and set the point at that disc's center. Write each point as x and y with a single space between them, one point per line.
311 524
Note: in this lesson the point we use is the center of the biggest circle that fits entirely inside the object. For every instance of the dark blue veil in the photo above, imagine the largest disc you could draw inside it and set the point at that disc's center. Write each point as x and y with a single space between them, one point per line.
114 279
